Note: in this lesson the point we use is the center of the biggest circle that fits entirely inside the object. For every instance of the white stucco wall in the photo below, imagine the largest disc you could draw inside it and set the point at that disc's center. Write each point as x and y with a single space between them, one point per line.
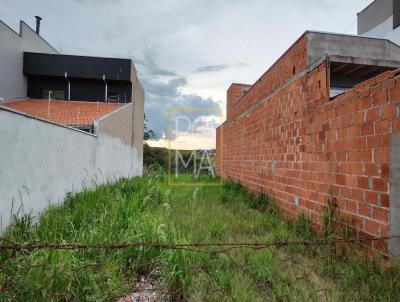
40 162
138 113
385 30
13 83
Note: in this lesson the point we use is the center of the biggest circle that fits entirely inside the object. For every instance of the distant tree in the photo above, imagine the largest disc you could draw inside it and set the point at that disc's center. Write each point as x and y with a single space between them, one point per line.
148 133
151 155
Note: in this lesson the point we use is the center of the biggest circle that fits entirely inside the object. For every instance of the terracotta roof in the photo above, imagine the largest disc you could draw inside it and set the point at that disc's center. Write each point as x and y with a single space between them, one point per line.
69 113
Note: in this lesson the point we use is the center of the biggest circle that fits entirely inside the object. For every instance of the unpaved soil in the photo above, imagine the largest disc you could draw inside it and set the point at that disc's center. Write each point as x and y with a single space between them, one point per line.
146 291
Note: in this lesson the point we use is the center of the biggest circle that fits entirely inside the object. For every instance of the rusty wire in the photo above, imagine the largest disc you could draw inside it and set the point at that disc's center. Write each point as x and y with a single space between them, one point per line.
297 274
192 247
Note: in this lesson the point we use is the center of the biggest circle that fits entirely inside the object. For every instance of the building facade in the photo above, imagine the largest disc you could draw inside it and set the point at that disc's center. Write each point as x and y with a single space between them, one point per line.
13 83
323 123
67 123
79 78
381 19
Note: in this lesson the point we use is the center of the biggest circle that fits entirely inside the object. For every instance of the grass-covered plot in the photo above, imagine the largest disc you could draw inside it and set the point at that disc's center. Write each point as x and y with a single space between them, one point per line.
147 209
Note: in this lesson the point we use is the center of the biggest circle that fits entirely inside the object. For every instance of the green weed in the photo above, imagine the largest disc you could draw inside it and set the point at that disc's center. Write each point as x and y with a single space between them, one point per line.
146 209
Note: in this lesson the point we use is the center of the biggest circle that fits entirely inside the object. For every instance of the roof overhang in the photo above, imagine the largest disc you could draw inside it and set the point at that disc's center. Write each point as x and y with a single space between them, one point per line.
368 51
349 71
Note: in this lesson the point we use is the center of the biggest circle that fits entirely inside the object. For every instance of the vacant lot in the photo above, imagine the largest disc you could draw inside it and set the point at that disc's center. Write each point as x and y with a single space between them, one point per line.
146 209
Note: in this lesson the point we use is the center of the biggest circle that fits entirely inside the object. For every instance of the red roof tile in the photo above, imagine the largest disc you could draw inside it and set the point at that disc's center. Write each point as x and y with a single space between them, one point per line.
69 113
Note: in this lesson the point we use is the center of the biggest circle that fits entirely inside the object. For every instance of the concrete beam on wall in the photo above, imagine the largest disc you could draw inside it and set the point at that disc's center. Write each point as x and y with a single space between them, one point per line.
365 61
320 44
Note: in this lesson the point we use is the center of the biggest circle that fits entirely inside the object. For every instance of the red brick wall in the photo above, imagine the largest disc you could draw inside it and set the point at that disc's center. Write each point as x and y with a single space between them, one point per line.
233 94
291 63
302 148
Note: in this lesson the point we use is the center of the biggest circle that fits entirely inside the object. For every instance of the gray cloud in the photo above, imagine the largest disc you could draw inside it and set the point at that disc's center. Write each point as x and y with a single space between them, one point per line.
97 1
215 68
152 68
169 89
161 97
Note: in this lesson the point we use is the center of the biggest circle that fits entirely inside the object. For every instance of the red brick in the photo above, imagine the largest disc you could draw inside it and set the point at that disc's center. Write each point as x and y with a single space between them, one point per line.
385 140
384 232
359 118
353 131
364 209
341 110
382 127
341 133
372 227
360 142
396 124
371 169
384 170
372 114
390 111
351 206
367 129
371 197
365 155
366 103
381 156
395 94
347 192
345 168
356 168
335 123
380 185
384 198
380 214
351 181
341 156
374 142
346 121
341 180
363 182
353 155
357 194
380 98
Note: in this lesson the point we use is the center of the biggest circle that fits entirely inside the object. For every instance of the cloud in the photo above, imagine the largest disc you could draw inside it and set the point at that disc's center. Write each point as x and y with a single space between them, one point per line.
162 97
211 68
152 68
158 89
97 1
215 68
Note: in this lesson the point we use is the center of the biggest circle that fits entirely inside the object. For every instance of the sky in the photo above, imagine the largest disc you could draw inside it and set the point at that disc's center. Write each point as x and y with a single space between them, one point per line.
187 52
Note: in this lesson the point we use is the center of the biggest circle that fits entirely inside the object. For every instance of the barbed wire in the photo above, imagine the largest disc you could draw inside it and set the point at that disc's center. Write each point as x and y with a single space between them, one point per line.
193 247
319 290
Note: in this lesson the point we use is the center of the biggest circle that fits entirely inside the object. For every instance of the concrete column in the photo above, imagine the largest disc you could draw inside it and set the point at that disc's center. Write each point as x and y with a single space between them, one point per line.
394 222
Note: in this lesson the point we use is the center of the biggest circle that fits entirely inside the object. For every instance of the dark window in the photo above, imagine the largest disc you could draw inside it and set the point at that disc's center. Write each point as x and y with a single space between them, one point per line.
396 13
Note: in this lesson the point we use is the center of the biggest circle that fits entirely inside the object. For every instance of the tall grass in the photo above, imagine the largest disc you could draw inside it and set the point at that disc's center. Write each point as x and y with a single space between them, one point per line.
146 209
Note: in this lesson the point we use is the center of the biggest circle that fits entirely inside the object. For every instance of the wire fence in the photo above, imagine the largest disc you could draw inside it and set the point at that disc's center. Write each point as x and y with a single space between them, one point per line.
295 270
223 247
